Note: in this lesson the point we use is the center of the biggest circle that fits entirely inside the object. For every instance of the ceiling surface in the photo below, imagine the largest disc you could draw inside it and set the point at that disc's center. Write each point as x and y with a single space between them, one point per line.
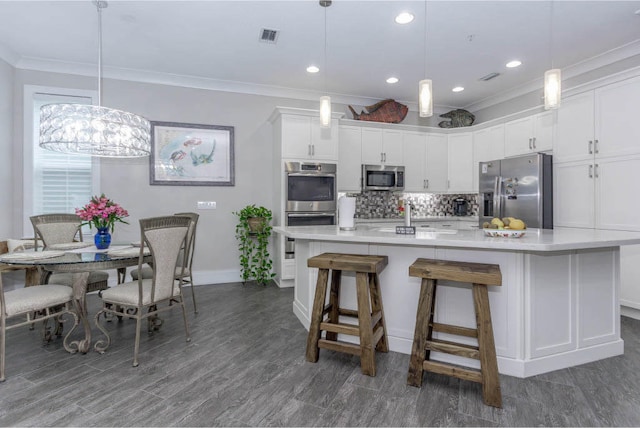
216 44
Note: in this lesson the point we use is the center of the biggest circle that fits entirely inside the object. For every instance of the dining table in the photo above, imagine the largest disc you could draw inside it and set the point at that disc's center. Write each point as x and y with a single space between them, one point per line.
80 262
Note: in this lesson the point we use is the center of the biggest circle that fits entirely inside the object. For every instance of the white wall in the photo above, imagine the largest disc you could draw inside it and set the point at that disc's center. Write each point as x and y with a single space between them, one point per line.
6 147
127 180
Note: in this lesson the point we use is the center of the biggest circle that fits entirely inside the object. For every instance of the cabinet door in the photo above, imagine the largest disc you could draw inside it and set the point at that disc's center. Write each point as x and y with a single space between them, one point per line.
518 137
392 147
324 141
630 276
436 167
296 137
461 162
415 146
544 125
488 144
349 163
616 202
617 124
372 152
573 194
575 130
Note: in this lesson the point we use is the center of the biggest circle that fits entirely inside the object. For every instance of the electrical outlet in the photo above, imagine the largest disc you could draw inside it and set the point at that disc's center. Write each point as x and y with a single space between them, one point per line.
206 205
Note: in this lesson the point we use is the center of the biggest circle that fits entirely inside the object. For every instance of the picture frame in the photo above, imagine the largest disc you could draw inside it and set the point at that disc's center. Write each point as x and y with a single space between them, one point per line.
187 154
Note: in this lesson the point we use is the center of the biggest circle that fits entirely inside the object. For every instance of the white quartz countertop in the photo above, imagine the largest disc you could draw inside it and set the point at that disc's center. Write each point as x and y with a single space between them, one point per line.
534 240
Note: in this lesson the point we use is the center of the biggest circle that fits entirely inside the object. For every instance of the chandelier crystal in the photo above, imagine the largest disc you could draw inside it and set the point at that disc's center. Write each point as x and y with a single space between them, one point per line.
93 129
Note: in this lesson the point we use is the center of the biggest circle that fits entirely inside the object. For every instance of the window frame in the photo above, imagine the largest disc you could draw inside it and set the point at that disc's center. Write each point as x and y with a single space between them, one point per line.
29 118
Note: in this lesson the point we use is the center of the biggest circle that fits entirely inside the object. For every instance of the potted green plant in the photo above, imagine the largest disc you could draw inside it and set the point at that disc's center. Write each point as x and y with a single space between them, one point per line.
252 232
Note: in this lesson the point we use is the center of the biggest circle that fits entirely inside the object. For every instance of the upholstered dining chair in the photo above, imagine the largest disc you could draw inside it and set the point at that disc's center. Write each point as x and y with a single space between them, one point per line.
164 237
186 274
54 229
24 306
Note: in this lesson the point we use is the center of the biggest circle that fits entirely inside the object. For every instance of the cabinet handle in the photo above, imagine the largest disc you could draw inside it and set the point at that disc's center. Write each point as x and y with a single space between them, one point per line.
597 169
448 184
309 150
385 157
313 150
595 145
590 171
590 147
427 180
381 157
534 143
530 144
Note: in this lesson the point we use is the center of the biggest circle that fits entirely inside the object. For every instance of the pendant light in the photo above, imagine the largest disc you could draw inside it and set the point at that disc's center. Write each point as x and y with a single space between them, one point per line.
553 77
425 90
325 101
93 129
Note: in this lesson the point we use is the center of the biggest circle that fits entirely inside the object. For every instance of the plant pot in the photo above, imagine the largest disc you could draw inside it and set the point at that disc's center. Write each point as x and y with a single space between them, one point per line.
256 224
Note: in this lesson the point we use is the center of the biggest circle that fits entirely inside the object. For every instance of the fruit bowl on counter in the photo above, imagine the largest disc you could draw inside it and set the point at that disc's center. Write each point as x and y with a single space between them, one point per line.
504 233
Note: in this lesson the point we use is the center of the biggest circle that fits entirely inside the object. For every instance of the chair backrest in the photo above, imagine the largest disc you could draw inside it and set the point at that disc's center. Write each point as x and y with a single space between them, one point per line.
55 229
187 259
165 237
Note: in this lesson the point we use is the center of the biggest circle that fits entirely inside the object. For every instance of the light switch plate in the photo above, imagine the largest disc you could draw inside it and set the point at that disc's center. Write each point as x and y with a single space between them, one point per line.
206 205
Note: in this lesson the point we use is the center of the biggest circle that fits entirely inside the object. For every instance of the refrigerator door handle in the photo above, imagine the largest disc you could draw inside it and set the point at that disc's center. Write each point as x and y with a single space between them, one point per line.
497 199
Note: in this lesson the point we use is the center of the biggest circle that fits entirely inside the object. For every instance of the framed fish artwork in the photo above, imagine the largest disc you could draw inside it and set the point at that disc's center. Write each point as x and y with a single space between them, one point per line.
186 154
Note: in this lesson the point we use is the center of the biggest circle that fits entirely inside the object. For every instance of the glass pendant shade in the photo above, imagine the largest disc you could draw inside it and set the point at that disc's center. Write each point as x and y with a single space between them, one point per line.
552 89
425 98
325 111
93 130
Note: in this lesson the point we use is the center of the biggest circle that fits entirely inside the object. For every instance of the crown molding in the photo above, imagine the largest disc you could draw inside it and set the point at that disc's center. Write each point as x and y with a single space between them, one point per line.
614 55
146 76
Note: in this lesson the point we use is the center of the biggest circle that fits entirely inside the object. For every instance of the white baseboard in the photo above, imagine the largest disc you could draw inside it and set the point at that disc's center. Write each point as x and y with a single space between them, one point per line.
630 312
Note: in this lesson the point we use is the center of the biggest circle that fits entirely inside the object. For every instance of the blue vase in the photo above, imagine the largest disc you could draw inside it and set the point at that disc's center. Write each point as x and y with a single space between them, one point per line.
102 239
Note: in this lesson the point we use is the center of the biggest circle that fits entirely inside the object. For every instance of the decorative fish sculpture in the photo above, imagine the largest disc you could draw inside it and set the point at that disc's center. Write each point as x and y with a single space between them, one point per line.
203 159
387 111
459 118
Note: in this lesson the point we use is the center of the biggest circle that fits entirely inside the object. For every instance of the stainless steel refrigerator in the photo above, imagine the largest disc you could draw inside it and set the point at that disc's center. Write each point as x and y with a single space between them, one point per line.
519 187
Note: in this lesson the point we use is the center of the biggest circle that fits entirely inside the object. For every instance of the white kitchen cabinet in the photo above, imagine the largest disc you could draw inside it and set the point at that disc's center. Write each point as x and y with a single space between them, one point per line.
349 159
616 118
573 194
303 138
381 146
460 163
529 135
575 130
488 144
436 165
415 147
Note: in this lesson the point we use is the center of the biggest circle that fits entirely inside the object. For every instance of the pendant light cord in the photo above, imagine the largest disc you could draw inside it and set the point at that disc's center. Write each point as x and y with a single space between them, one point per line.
100 5
425 40
326 69
551 32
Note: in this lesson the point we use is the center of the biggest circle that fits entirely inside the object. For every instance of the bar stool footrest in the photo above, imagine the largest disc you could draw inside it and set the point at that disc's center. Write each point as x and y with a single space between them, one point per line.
451 370
459 349
341 328
337 345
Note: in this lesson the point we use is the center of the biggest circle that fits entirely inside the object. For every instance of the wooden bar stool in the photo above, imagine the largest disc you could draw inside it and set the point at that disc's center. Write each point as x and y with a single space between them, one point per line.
371 326
480 275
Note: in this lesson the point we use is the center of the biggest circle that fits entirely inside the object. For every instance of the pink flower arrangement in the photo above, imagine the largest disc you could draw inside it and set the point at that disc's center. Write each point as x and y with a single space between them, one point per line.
102 213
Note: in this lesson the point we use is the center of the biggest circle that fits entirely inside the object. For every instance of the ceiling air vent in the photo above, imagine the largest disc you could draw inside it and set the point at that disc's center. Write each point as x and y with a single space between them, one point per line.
269 36
489 76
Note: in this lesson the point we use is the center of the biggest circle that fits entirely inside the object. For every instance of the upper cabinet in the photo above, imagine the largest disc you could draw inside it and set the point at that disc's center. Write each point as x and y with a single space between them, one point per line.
437 165
349 159
415 146
529 134
576 129
381 146
302 138
460 161
488 144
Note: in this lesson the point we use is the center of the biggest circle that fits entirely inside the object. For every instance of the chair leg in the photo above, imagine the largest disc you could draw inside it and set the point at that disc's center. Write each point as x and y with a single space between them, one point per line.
316 316
334 301
137 344
184 317
367 354
491 393
376 306
101 345
193 296
420 337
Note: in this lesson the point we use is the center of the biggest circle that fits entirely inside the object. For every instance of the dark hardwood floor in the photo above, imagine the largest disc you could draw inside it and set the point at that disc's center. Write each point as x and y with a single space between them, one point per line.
245 366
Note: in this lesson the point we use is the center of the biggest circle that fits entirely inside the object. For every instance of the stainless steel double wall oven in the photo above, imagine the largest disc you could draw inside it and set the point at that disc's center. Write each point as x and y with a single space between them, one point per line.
311 198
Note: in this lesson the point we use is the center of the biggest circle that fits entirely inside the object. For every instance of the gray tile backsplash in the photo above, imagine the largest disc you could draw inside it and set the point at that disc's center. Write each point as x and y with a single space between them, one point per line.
385 204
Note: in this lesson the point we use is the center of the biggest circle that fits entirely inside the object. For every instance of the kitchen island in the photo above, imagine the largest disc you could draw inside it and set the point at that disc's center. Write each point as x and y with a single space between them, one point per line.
557 307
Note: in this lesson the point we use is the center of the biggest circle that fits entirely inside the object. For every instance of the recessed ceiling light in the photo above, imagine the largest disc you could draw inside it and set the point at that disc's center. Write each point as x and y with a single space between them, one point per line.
458 89
392 80
404 18
312 69
513 64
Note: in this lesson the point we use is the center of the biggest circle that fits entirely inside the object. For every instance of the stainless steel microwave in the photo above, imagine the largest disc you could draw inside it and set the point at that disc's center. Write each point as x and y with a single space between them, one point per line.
382 177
